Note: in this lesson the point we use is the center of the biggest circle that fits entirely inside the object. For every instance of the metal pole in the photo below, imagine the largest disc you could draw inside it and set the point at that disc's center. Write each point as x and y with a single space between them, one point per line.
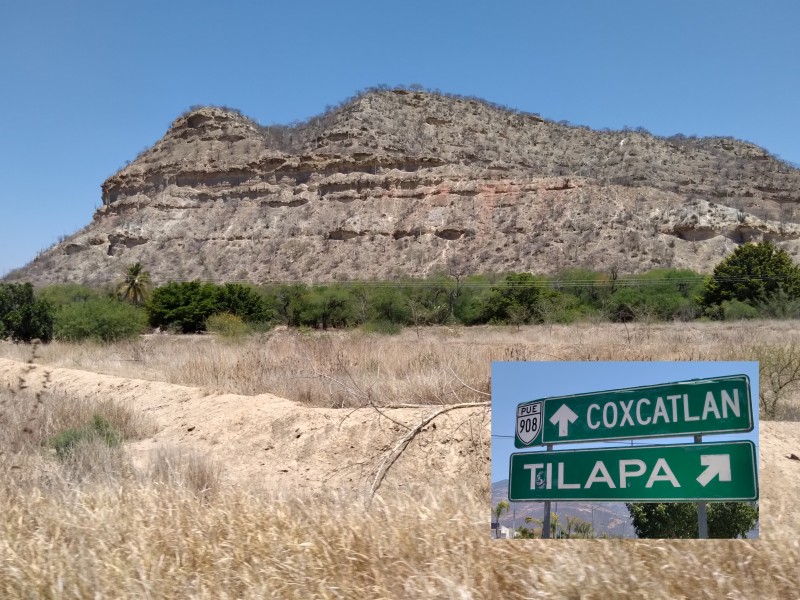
546 520
702 515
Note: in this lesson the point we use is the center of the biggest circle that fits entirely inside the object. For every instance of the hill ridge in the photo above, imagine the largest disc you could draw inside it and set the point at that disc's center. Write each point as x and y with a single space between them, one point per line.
401 182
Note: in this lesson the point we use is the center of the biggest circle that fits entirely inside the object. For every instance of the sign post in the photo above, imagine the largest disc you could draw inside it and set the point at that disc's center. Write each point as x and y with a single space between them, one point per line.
547 515
702 515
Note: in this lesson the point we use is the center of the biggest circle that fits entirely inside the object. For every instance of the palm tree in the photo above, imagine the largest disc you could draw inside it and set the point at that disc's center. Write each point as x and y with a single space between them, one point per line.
584 530
136 284
524 533
572 526
536 521
555 526
501 507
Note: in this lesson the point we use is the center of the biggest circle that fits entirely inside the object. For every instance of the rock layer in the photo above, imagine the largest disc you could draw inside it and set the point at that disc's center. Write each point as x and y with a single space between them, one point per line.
400 182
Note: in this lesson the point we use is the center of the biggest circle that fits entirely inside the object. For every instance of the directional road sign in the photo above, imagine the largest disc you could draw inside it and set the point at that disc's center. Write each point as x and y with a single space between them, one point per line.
713 472
696 407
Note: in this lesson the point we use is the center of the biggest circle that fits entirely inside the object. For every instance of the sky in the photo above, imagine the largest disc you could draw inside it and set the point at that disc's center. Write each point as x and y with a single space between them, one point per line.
517 382
87 85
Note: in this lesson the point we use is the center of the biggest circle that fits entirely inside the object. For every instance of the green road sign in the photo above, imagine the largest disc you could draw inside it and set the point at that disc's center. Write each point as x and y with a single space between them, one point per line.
712 472
700 406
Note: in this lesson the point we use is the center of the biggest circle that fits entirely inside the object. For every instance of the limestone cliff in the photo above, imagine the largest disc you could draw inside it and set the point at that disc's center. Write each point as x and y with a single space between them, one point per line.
402 182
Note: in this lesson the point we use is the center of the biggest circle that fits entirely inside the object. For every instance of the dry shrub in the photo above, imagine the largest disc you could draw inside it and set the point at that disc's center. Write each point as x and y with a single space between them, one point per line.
31 421
94 460
779 378
176 467
51 437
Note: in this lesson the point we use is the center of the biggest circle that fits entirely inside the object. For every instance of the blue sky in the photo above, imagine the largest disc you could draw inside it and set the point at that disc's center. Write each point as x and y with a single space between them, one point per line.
87 85
517 382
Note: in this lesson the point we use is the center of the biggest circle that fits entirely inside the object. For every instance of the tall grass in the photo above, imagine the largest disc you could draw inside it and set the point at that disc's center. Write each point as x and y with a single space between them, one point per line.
156 541
100 527
432 366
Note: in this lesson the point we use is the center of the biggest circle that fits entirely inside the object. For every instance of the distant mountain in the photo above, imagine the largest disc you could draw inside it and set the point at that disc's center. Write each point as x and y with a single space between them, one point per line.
606 517
399 182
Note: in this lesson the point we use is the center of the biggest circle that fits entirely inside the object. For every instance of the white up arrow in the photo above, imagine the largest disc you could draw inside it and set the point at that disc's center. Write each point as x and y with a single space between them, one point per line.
563 416
717 464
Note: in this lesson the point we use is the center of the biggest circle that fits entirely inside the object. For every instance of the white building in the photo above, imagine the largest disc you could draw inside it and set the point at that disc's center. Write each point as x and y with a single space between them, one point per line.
505 533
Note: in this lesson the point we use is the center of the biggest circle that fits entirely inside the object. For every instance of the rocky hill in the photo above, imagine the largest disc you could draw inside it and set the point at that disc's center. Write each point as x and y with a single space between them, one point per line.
404 182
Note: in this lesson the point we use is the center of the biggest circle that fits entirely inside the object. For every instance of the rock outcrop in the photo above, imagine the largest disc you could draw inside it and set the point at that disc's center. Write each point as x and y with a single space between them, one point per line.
402 182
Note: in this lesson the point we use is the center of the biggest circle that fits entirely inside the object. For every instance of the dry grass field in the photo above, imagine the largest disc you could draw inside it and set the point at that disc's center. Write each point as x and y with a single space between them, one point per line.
213 492
437 365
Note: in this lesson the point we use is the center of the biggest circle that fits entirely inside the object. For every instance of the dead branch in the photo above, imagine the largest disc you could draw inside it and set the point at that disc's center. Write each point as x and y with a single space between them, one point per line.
469 387
355 390
392 456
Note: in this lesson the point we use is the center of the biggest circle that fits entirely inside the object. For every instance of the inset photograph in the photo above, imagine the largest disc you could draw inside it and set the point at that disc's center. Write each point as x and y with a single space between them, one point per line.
631 450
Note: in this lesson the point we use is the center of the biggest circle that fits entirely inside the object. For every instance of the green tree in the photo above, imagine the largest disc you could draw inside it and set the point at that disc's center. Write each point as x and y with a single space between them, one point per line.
498 511
188 305
588 286
679 519
572 524
99 319
135 287
662 294
663 521
389 304
516 295
733 310
583 530
472 297
556 530
183 305
24 317
753 274
285 299
530 532
728 520
324 307
625 305
555 526
59 295
524 533
436 297
245 302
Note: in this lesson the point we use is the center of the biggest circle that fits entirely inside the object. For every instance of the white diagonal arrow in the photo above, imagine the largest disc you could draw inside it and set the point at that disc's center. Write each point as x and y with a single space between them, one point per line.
717 464
563 417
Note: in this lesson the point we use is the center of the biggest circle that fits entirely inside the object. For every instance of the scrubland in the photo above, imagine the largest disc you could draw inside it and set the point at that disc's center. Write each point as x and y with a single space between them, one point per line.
431 365
92 522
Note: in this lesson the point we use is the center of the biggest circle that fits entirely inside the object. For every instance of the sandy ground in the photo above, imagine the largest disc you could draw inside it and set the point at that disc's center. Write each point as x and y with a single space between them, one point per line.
272 443
779 477
267 442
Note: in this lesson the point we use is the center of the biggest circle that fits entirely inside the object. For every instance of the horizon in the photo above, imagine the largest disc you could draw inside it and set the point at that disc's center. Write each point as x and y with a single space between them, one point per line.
90 86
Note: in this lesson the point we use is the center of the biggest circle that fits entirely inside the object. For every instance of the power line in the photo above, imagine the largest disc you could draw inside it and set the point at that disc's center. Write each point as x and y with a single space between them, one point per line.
545 284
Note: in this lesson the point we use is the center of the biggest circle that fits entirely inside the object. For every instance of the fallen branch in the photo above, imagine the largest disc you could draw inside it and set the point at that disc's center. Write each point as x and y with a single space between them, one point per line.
403 443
